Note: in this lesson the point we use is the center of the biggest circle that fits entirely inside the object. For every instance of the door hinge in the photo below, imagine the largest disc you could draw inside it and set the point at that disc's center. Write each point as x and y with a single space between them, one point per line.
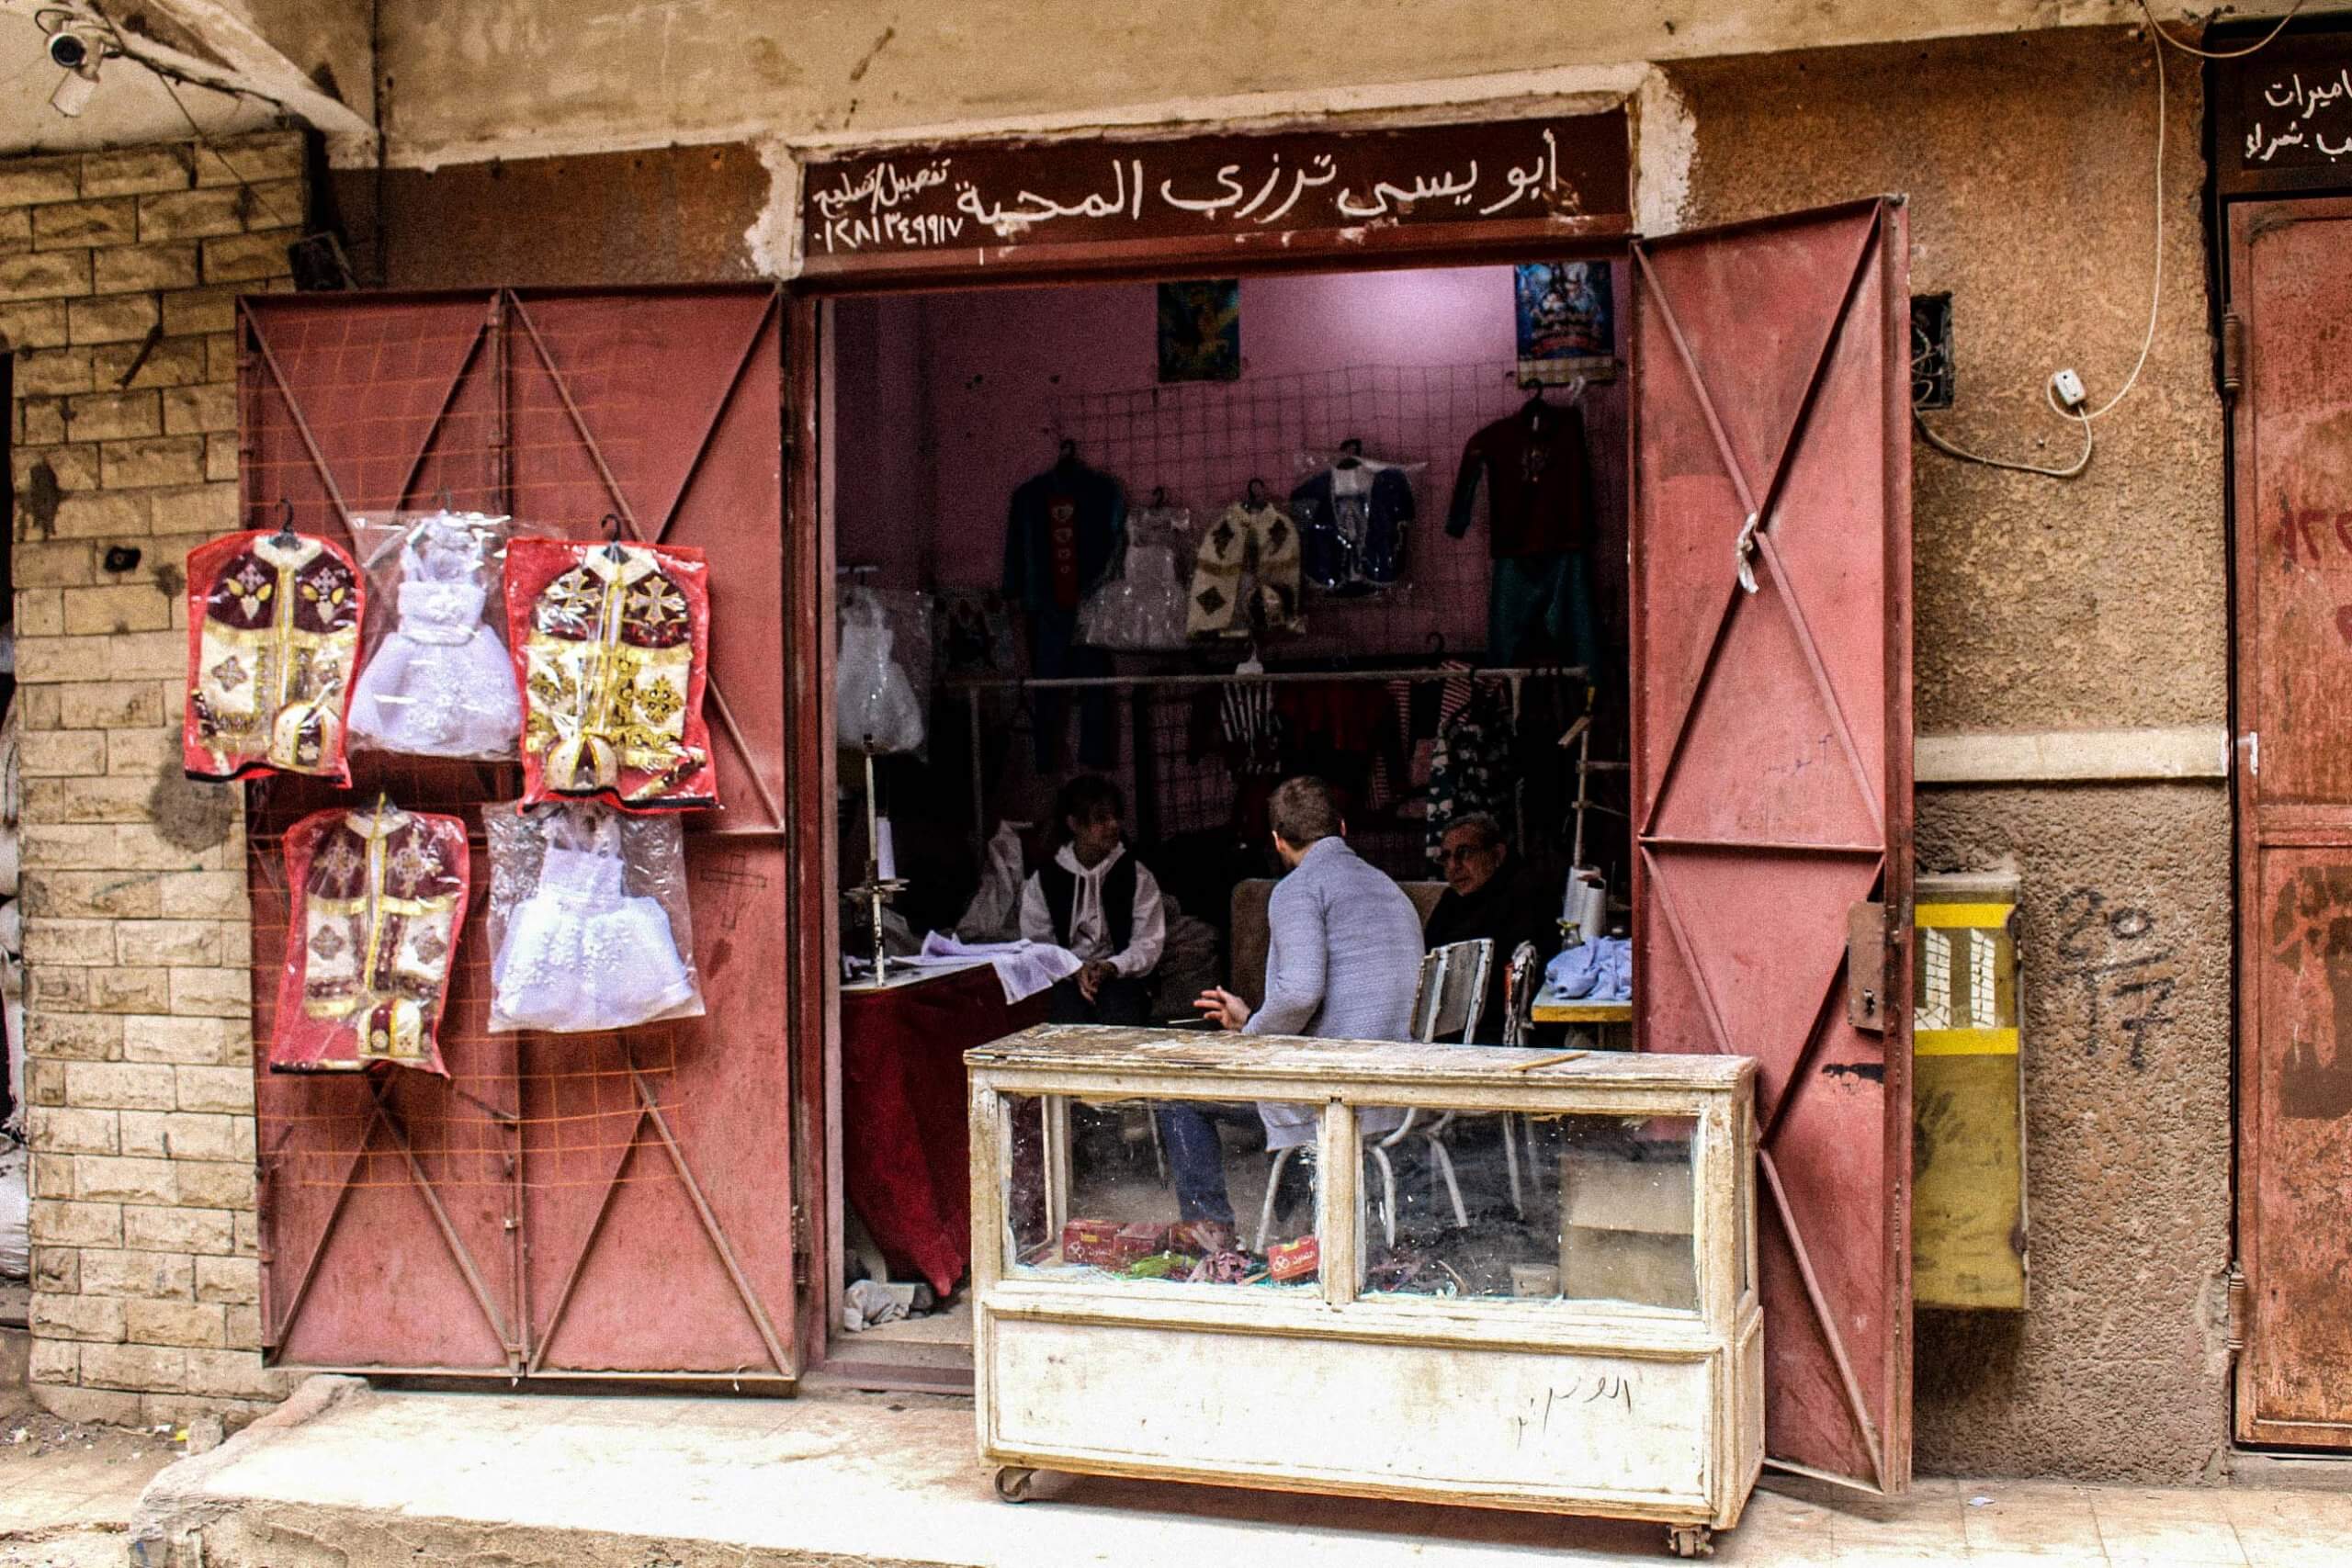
799 1233
2236 1294
2232 353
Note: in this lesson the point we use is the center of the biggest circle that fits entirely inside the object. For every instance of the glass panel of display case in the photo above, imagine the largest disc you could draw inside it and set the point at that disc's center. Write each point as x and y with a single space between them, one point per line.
1541 1208
1156 1192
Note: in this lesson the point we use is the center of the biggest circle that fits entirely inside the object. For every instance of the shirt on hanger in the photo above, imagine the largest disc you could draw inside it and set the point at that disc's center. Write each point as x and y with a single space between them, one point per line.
1539 489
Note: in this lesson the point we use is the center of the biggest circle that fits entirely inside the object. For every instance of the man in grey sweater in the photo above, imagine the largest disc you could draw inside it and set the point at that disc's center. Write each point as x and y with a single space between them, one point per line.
1343 958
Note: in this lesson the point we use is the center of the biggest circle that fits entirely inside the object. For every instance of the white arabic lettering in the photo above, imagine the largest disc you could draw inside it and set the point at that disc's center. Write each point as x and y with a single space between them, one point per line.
882 187
858 208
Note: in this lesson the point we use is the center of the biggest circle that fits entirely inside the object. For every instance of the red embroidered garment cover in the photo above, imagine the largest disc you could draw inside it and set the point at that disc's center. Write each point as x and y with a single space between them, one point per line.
377 896
273 636
611 644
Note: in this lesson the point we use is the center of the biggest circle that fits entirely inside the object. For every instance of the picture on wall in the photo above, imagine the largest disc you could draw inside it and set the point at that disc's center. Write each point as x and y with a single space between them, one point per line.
1200 330
1567 322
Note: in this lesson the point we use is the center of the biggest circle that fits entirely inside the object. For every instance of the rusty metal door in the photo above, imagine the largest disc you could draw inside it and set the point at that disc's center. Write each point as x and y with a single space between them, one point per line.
616 1204
2291 272
1771 711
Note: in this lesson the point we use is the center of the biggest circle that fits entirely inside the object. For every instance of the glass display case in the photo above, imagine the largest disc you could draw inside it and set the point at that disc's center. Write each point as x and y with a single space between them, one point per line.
1513 1278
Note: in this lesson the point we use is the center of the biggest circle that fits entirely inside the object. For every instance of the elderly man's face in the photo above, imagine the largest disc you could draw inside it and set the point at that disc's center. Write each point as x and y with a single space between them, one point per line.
1468 863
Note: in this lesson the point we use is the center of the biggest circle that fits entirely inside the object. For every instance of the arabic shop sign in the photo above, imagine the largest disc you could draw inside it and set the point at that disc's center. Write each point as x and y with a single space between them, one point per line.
2299 122
2285 117
1091 201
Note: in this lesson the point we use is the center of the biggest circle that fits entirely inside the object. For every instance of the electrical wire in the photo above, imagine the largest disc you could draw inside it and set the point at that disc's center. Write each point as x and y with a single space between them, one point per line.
2158 39
2068 472
2268 39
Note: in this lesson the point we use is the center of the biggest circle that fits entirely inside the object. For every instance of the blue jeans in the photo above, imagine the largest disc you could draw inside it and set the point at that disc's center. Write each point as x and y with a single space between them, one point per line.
1188 1132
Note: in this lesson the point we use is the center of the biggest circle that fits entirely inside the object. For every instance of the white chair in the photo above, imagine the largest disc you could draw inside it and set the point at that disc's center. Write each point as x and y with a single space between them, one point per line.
1450 999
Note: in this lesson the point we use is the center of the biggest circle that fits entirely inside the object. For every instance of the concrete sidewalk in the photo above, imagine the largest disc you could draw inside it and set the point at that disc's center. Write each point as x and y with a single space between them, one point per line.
349 1478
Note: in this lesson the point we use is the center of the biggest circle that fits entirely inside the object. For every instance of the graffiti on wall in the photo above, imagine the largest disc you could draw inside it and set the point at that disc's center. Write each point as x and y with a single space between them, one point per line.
2125 972
2310 938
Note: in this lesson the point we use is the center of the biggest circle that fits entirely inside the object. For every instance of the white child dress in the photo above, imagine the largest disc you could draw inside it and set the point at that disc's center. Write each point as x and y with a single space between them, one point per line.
874 702
441 684
582 952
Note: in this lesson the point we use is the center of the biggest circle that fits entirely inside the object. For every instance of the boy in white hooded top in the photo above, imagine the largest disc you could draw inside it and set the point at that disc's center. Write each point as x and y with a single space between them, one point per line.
1102 904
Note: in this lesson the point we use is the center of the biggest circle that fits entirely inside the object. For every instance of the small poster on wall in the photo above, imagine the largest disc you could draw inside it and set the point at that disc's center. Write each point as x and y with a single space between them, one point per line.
1200 330
1568 322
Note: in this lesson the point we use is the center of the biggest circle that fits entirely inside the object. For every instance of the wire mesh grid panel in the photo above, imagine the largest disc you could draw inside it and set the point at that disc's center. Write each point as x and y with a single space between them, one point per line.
1204 442
525 1204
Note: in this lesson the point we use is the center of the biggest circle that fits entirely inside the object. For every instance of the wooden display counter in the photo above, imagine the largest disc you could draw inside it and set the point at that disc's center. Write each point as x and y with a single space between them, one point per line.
1587 1341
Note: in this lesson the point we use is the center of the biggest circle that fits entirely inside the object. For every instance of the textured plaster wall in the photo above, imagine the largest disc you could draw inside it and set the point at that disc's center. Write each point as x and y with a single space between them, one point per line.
2118 1370
460 79
2098 602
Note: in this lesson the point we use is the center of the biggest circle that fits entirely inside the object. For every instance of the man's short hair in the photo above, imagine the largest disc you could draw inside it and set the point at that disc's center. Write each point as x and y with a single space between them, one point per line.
1486 833
1304 809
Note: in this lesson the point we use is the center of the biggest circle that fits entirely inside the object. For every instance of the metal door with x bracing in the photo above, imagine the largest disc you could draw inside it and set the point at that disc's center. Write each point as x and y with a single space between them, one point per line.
1771 711
575 1205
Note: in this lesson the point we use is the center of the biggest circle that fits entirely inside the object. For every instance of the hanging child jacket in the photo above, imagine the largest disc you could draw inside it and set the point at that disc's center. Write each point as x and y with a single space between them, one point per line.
1351 524
377 899
611 643
273 636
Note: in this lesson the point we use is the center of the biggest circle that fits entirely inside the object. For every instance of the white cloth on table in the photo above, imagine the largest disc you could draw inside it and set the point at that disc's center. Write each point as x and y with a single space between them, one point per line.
442 685
1022 968
582 954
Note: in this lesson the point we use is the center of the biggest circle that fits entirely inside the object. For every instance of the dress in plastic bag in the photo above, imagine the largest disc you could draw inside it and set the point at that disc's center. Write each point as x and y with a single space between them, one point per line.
588 919
1143 608
875 702
611 646
273 636
376 897
441 684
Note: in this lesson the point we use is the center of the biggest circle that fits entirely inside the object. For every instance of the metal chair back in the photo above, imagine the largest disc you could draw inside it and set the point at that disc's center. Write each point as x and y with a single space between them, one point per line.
1452 993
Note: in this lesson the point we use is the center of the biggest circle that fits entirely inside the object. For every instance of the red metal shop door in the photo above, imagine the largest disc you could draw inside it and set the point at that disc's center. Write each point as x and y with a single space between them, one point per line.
1772 704
2291 272
596 1204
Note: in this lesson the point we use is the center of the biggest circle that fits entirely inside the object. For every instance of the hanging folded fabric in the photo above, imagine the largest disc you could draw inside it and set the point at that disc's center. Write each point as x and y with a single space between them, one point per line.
589 923
439 681
611 643
376 897
273 635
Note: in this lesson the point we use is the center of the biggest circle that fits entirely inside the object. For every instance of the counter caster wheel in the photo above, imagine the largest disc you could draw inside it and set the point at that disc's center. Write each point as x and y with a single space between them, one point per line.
1691 1541
1012 1482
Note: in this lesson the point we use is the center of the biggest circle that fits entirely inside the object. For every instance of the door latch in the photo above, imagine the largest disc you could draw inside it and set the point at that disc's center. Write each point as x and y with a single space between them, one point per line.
1867 1003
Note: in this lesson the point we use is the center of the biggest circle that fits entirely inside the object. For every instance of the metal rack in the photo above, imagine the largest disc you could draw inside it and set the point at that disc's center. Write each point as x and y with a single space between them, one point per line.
975 688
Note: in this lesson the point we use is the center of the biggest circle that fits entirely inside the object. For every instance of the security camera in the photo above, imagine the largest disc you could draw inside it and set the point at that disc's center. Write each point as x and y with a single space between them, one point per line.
70 49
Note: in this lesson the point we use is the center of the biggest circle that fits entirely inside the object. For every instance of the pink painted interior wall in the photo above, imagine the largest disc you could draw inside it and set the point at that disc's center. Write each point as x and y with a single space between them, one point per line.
998 363
945 402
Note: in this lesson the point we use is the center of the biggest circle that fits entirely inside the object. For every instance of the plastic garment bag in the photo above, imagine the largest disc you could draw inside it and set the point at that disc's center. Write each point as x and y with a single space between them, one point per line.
874 703
439 684
588 919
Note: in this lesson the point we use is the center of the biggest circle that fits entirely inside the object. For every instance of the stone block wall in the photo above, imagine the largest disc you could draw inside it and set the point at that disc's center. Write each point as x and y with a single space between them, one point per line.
118 273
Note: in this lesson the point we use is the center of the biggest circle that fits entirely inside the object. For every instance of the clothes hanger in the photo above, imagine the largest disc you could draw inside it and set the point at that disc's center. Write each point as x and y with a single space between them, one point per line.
1067 457
1255 495
284 536
612 525
1159 496
1350 453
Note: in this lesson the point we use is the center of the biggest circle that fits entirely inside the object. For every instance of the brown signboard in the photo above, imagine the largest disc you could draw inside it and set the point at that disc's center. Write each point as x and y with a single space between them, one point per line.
2283 118
1101 203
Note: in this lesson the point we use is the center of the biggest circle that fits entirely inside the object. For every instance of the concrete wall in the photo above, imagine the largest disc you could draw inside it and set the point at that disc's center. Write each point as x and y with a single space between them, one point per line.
463 81
137 936
2048 604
